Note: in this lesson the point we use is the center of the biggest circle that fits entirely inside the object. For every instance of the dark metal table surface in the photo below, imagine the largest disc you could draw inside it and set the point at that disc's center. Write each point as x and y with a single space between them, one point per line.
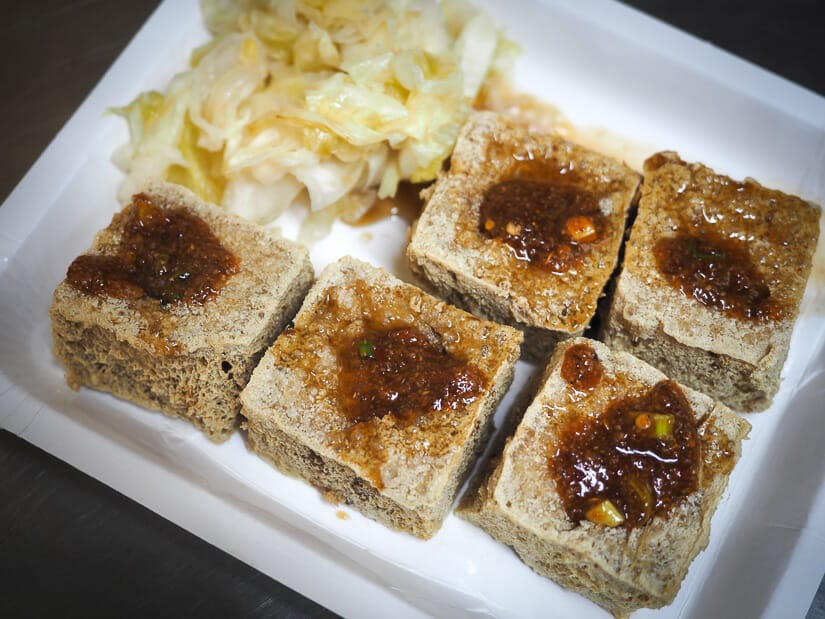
72 547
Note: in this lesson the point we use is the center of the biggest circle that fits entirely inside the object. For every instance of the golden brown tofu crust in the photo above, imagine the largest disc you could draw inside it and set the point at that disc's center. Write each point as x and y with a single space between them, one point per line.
481 274
735 360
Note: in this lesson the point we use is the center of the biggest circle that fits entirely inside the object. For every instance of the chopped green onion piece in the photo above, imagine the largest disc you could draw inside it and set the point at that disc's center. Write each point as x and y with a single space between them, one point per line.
700 255
663 425
366 350
605 513
644 491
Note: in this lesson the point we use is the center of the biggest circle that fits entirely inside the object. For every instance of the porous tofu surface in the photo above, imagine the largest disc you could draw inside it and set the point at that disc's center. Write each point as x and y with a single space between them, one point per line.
449 249
239 316
777 231
299 387
187 359
620 568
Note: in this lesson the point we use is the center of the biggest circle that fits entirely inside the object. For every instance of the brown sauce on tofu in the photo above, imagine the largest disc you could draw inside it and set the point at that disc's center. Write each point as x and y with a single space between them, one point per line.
545 209
393 371
544 222
400 372
636 460
166 254
581 367
739 247
717 273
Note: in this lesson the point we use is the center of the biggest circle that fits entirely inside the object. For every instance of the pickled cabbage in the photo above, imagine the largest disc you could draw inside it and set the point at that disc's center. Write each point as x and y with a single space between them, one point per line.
323 103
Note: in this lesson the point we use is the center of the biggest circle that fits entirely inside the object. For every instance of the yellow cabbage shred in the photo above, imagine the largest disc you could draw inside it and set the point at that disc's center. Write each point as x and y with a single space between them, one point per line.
323 103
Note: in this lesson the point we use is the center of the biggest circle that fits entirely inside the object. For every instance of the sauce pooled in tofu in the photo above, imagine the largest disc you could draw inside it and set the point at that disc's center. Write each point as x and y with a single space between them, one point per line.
400 375
168 254
400 372
547 223
581 367
718 273
635 460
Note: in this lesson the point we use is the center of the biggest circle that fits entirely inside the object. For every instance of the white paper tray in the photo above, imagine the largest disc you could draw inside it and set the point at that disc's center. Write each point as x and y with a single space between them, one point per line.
606 66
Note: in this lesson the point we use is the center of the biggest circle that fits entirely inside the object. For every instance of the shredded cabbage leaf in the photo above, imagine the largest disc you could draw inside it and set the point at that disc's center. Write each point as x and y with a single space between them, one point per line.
324 103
